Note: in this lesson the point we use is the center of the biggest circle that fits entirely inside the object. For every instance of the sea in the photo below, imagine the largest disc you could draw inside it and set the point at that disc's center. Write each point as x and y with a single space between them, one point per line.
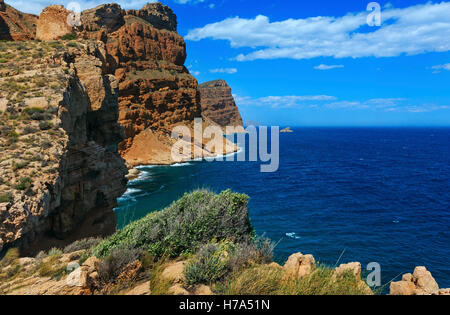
372 195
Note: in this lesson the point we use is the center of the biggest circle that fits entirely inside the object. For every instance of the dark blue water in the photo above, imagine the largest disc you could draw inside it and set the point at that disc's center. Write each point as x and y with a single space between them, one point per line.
370 195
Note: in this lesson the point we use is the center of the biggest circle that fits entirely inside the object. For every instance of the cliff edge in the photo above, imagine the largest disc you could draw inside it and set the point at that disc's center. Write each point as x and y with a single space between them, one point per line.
218 104
60 172
16 25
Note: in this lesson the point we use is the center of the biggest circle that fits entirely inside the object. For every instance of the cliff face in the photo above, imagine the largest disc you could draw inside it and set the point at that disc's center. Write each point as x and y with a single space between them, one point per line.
60 171
15 25
156 91
218 104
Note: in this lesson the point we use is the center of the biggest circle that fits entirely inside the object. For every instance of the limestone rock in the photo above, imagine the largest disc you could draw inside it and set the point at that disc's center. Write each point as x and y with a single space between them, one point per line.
421 282
109 17
354 267
424 281
140 289
73 170
52 23
218 104
402 288
174 272
202 290
299 265
16 25
158 15
177 289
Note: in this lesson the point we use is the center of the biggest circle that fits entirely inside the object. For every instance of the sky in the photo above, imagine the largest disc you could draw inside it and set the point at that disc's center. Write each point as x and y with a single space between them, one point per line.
317 63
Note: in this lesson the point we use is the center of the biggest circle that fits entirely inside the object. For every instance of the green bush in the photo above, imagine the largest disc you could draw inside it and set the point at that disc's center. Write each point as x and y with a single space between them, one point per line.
209 265
184 226
69 36
112 265
24 183
45 125
5 197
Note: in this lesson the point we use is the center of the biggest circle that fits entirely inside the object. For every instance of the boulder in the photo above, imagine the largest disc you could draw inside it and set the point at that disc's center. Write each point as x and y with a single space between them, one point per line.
421 282
202 290
177 289
425 282
109 17
52 23
354 267
402 288
299 265
174 272
140 289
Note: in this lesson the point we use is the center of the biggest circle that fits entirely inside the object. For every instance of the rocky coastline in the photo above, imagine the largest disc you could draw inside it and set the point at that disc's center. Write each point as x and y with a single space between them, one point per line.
80 107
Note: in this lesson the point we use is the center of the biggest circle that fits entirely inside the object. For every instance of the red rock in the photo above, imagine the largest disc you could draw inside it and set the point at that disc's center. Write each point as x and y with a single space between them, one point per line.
218 104
16 25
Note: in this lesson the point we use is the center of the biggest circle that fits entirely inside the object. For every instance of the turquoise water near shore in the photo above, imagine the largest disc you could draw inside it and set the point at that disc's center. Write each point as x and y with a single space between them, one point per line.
362 194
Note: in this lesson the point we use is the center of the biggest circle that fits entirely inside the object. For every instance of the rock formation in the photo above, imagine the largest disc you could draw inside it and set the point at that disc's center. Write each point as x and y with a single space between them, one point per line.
218 104
60 170
52 23
421 282
15 25
156 91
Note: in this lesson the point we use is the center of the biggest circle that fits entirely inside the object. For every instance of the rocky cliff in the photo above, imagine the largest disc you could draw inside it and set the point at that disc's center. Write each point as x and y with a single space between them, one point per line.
16 25
60 172
61 101
145 53
218 104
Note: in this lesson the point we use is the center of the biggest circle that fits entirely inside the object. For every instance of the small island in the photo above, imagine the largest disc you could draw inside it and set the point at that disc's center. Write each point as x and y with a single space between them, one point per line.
286 130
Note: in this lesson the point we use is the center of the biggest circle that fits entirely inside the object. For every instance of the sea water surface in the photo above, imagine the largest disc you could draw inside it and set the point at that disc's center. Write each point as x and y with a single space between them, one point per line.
341 194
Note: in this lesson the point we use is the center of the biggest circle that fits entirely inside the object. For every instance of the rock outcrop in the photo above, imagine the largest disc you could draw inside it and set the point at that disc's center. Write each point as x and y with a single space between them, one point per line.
421 282
156 91
16 25
60 171
218 104
53 23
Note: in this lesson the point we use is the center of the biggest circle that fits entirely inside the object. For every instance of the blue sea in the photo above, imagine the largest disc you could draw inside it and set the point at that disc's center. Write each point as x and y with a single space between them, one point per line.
341 194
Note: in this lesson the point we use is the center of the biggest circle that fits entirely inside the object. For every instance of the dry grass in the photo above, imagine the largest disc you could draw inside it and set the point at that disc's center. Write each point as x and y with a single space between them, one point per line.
264 280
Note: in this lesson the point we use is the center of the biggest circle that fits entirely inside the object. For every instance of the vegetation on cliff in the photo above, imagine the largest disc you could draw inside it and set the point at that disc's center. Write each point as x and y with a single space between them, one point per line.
201 244
184 226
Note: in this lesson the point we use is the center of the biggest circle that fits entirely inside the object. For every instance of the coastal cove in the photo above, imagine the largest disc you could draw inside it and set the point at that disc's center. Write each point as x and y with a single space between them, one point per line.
354 194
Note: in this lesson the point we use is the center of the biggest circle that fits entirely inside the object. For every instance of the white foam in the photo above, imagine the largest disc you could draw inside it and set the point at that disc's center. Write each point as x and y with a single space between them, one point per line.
180 164
293 235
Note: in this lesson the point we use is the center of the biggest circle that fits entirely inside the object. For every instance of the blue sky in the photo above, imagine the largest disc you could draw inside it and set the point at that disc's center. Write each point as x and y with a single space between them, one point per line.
318 63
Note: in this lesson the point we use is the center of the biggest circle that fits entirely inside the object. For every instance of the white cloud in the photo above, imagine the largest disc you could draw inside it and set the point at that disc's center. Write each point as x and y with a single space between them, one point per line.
326 102
328 67
224 70
412 30
438 68
297 101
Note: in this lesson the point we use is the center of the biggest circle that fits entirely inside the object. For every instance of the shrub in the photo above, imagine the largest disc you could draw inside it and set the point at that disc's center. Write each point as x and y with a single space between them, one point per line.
51 267
254 251
7 197
55 252
209 266
33 110
83 244
11 256
24 183
69 36
184 226
112 265
45 125
159 285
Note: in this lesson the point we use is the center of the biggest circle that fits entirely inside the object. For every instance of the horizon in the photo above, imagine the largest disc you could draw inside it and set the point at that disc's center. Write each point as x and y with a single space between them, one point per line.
317 64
